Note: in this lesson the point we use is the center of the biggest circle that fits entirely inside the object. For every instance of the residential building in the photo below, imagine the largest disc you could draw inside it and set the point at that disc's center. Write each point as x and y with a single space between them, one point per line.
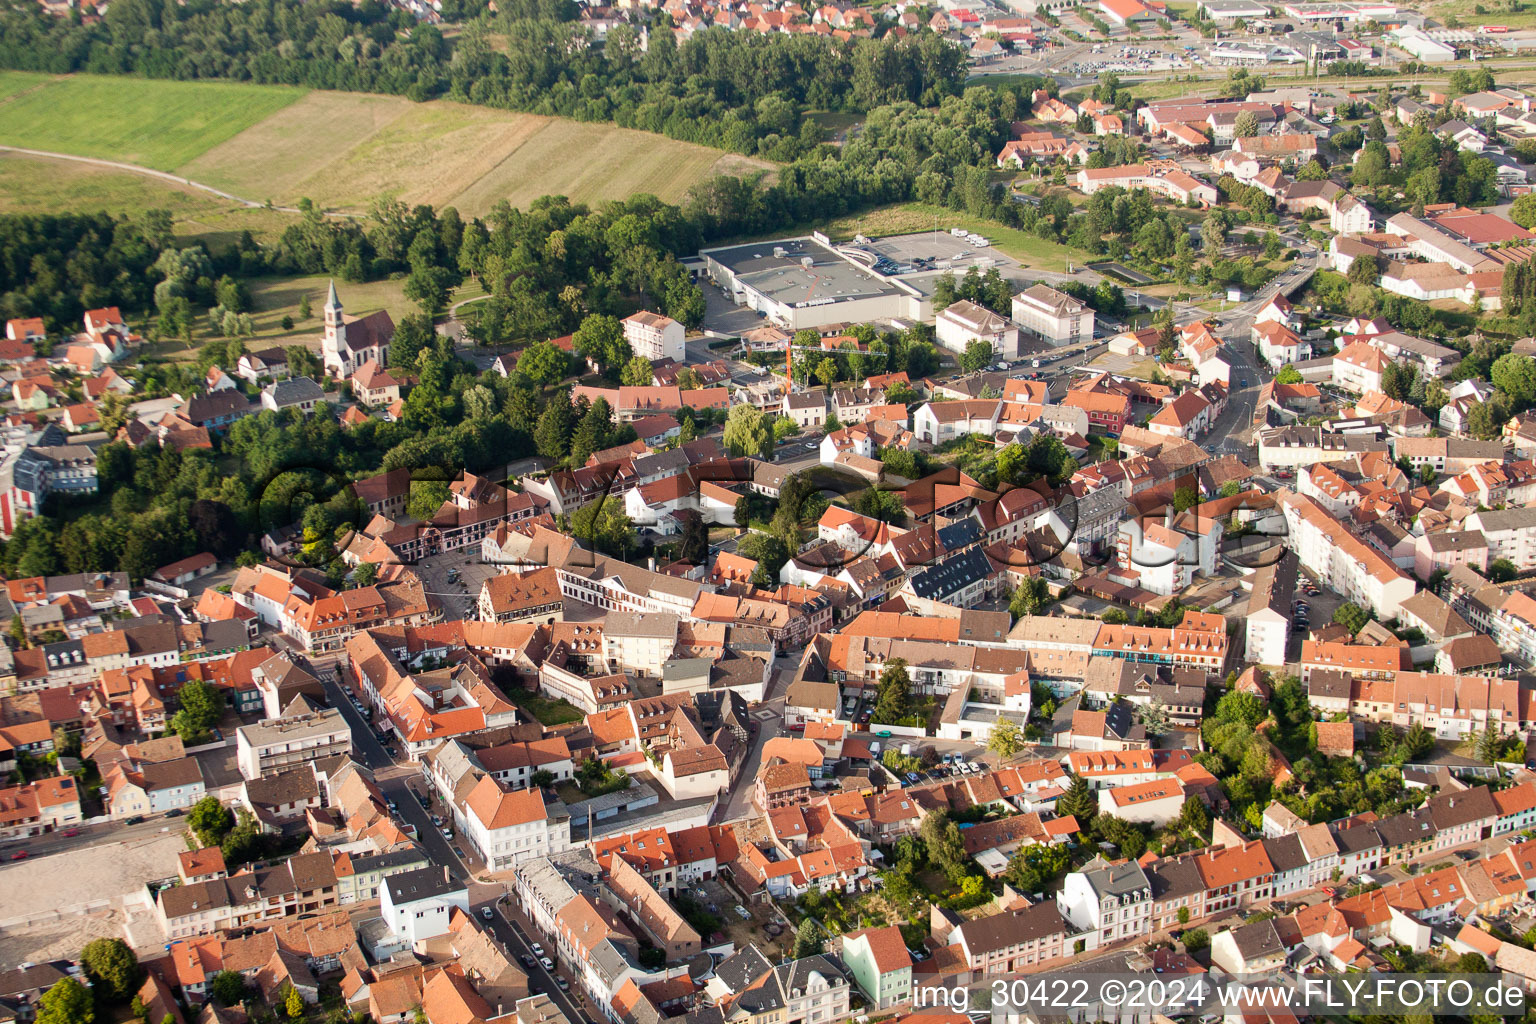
655 337
1052 316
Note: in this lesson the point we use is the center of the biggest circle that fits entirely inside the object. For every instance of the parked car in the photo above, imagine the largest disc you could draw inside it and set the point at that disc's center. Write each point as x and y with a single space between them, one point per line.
565 986
527 960
174 812
70 833
538 950
20 855
136 819
546 963
743 913
487 913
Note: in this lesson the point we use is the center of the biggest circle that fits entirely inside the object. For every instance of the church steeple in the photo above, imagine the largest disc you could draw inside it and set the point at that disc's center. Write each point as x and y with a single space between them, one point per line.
333 344
332 306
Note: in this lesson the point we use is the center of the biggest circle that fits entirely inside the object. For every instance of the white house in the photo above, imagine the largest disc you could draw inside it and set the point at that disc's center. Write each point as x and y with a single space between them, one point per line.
417 905
508 826
1107 903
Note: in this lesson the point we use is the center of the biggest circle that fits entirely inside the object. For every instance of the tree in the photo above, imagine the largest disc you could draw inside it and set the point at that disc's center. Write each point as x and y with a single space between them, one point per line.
1471 963
1311 171
1502 570
891 702
977 355
1288 375
201 706
1078 801
1213 230
1417 742
746 432
1523 211
556 424
826 371
945 845
426 497
694 545
544 363
591 434
244 840
67 1002
1185 498
543 778
19 632
1246 126
210 821
638 373
112 967
1030 597
1364 269
294 1004
1005 740
1196 939
808 941
601 339
1193 816
1489 745
1516 377
1351 616
215 527
365 574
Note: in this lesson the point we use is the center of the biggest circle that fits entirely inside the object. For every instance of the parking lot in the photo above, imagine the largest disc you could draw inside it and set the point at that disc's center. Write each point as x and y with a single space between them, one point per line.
947 252
455 580
954 768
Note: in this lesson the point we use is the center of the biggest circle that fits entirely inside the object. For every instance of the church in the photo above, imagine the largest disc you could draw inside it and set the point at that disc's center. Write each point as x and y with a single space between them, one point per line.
350 341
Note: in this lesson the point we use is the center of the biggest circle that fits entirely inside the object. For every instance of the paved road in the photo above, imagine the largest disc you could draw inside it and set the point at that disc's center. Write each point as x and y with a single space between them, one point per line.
769 716
515 938
104 834
1231 432
402 783
392 779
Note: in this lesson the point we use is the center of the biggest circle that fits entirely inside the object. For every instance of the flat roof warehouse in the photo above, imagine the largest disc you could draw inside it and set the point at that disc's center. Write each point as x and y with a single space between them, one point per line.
789 279
800 271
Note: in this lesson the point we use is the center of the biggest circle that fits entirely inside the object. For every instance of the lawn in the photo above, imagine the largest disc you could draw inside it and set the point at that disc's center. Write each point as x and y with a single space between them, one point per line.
549 711
13 82
273 298
155 124
29 184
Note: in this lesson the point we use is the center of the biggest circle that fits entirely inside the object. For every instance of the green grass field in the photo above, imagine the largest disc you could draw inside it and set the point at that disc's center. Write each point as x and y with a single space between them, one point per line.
344 150
1494 13
31 184
14 82
156 124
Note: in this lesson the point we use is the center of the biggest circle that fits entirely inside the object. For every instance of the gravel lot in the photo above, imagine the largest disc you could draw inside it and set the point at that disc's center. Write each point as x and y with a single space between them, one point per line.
43 894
